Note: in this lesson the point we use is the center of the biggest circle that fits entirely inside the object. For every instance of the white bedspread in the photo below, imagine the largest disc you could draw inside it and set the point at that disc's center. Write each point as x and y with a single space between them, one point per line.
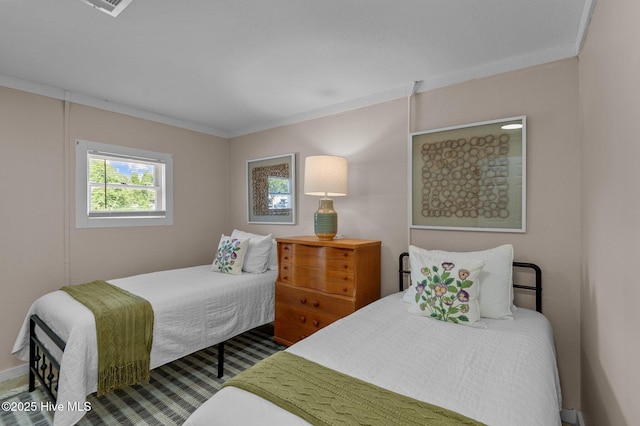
505 374
194 308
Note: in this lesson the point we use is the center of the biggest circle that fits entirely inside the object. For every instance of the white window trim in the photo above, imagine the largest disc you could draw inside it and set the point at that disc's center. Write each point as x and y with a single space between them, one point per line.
82 209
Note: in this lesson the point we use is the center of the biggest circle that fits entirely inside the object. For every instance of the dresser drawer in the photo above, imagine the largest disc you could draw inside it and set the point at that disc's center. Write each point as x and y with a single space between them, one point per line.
291 325
319 257
311 302
328 280
300 314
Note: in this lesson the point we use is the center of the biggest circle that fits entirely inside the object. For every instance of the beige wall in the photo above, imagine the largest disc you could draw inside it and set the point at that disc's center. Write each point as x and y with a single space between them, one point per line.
200 164
610 110
374 140
548 96
40 249
31 208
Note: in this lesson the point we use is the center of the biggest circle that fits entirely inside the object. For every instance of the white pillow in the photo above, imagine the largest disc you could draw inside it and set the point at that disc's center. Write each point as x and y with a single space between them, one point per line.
230 255
446 290
496 279
255 261
272 263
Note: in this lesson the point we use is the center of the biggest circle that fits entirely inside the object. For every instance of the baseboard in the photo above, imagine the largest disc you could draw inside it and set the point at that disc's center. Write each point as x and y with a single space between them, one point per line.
573 417
14 373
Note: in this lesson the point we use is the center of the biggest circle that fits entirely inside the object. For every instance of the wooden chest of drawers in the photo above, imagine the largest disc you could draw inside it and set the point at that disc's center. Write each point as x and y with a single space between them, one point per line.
320 282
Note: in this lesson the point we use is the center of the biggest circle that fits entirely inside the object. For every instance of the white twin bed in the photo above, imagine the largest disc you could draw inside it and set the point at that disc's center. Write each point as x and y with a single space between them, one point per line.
498 372
502 375
193 308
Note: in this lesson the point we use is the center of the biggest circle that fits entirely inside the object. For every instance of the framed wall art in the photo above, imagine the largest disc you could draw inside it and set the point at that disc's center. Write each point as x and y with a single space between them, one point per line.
470 177
271 189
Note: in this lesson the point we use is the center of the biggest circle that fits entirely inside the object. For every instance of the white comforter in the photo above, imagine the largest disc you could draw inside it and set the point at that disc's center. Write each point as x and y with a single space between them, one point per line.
194 308
503 375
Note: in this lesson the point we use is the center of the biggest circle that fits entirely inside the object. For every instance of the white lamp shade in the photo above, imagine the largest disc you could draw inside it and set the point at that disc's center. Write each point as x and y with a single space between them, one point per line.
325 175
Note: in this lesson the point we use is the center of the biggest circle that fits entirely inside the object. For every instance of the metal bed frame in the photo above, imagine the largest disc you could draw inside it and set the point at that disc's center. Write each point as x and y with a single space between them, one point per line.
44 366
402 270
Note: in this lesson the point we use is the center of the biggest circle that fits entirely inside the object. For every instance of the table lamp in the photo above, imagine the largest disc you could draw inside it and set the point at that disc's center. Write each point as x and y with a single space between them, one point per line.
325 175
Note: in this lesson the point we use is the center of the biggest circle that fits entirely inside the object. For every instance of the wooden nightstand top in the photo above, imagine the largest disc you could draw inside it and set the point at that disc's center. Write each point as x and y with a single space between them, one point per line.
312 240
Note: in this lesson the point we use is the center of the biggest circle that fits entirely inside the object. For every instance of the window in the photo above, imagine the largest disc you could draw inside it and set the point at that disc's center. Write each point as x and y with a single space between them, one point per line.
118 186
279 193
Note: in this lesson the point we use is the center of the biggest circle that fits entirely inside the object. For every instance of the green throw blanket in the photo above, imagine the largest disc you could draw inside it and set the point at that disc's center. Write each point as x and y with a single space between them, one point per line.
124 332
323 396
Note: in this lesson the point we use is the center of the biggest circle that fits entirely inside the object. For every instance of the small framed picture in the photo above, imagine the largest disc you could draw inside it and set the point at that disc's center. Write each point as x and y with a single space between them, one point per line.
271 190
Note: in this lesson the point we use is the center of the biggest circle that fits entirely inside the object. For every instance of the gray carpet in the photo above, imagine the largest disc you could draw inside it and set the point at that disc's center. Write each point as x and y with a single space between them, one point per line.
173 393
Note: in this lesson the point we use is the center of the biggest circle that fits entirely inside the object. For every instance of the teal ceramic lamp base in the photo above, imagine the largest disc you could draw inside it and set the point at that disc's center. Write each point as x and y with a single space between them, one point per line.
325 220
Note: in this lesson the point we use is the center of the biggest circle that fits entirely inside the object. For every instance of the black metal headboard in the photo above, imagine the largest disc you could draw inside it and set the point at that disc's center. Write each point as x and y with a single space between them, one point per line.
538 277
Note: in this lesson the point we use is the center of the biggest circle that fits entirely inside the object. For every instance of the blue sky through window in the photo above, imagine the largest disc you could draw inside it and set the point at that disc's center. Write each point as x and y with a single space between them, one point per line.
127 168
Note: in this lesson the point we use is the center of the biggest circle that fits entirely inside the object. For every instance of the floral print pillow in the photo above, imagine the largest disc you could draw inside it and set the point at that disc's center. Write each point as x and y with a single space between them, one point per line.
230 255
496 293
445 290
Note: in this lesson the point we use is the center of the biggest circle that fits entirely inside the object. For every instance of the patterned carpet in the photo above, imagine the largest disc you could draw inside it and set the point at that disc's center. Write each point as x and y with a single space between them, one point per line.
174 392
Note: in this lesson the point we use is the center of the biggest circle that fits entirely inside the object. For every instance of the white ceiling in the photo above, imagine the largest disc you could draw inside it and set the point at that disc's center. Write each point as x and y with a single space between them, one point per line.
231 67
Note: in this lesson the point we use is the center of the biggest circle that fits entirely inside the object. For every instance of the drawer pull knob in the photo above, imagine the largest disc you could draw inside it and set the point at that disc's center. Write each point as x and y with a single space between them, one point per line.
345 254
286 248
285 257
316 323
315 303
303 300
285 267
302 319
345 289
285 278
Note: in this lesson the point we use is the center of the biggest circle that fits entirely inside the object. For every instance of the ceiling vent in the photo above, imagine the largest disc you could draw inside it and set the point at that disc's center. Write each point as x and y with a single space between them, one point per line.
110 7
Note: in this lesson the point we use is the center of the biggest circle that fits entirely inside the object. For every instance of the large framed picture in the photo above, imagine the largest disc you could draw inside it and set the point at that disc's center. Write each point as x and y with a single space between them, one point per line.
470 177
271 189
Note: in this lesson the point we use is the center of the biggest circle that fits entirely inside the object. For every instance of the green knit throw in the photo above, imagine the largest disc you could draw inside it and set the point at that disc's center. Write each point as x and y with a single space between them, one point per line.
323 396
124 332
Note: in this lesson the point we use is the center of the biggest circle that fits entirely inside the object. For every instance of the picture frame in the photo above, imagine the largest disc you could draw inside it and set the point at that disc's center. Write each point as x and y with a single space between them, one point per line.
470 177
271 190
